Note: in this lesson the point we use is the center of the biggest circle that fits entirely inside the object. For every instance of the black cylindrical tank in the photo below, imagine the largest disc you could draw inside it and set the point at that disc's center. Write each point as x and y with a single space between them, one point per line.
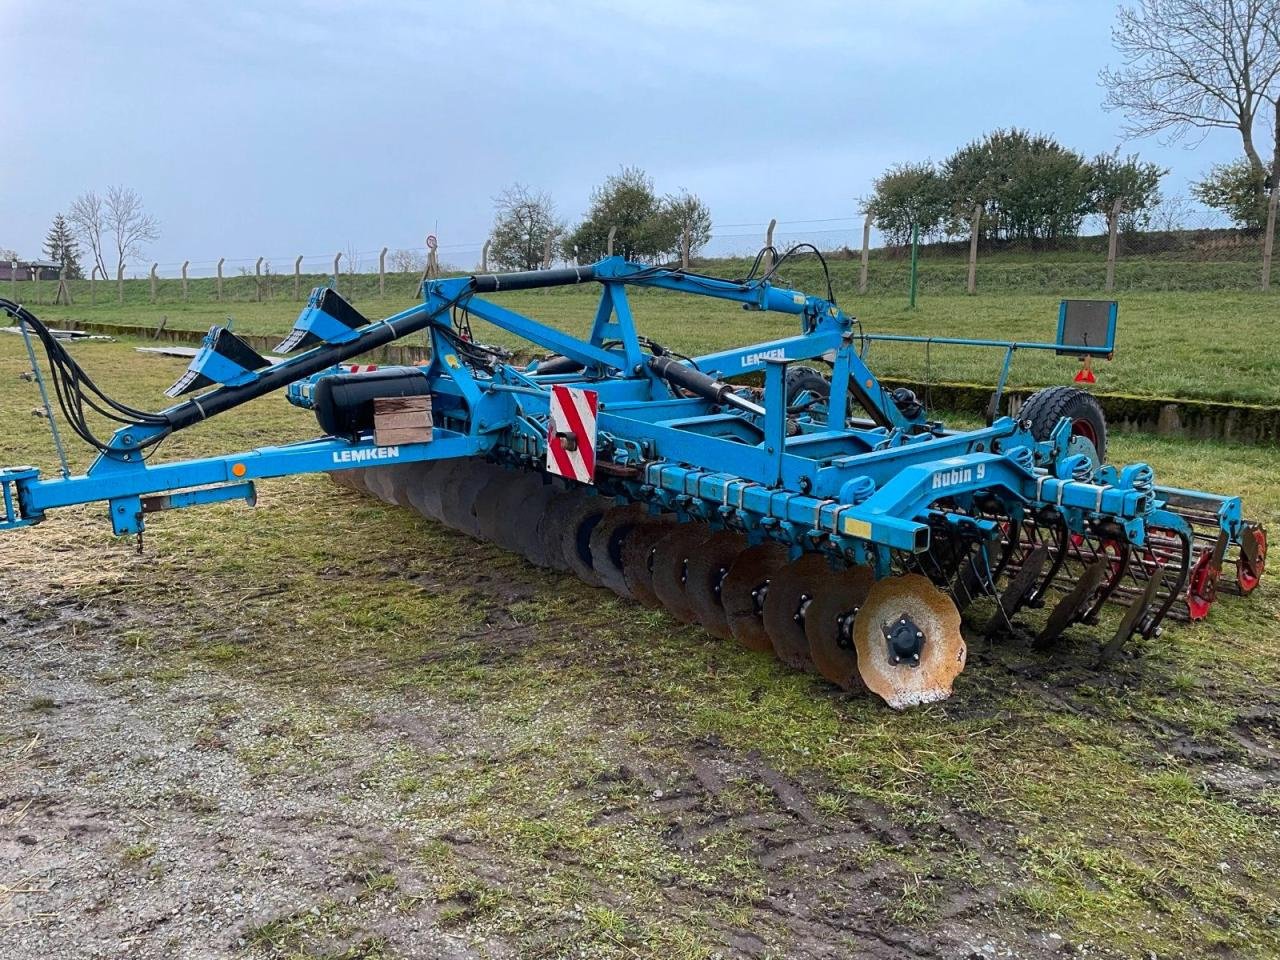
344 401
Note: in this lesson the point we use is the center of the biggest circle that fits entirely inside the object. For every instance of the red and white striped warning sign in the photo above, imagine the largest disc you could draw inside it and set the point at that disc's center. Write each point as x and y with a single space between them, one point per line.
571 440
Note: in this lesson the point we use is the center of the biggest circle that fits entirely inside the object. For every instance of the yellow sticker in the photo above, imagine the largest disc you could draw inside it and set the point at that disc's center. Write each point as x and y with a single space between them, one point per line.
798 297
853 527
451 360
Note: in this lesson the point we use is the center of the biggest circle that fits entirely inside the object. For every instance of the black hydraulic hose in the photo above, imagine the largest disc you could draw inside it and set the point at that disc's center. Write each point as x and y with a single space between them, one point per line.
695 381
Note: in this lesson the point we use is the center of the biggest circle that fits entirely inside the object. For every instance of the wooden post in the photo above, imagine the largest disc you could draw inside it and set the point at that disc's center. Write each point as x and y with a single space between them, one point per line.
546 250
221 260
93 289
336 260
866 253
1113 229
64 292
185 264
382 273
13 280
974 222
484 256
257 280
768 241
153 282
35 283
297 278
613 232
684 249
1269 241
120 283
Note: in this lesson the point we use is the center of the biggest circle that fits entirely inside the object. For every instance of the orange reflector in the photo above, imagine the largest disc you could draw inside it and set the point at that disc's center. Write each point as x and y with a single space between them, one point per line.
239 470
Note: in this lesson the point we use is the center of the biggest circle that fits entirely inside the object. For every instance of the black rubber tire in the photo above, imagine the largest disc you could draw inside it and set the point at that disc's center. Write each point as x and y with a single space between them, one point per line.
1046 407
800 379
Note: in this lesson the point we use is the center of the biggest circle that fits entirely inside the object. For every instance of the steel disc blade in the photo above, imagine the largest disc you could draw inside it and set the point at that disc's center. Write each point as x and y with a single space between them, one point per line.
380 482
606 544
425 487
785 605
828 623
744 590
526 534
670 556
551 524
351 479
575 537
1073 605
637 560
942 651
458 498
493 521
704 574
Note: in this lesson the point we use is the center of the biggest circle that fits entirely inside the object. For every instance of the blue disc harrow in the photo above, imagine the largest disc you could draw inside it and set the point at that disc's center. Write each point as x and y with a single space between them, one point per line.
778 494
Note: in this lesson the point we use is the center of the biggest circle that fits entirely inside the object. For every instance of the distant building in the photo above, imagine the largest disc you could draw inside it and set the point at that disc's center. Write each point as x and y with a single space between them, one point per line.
29 270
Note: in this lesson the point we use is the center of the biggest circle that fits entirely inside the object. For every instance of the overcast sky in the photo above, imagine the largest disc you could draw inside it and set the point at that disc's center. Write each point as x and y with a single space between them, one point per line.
279 128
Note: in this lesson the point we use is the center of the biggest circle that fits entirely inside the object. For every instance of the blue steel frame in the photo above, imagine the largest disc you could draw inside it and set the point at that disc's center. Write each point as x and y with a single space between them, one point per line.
859 490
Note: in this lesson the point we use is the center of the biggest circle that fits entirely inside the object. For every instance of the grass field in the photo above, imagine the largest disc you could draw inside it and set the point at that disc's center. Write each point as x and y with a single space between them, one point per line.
352 729
1216 345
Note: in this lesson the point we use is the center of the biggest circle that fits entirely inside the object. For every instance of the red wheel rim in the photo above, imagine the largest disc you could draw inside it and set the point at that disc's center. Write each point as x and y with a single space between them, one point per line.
1085 429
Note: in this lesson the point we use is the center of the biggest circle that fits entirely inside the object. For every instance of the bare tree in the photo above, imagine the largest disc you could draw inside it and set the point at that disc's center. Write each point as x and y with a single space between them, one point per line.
407 261
128 225
524 220
1198 65
88 220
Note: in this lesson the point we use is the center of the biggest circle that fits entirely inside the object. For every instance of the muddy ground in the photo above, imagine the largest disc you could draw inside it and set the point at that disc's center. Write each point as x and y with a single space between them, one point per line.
330 728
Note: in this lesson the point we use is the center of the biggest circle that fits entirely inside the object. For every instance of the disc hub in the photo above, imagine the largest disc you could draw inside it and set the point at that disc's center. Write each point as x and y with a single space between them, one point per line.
905 641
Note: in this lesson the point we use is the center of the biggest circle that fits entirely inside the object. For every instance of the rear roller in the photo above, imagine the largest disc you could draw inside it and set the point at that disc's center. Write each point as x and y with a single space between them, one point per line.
828 624
704 576
606 545
908 641
743 592
787 603
636 558
670 567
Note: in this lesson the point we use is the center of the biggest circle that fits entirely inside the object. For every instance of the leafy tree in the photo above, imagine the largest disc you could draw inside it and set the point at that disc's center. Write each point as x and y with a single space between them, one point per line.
909 194
1030 186
1237 189
523 221
682 213
1135 183
625 200
61 247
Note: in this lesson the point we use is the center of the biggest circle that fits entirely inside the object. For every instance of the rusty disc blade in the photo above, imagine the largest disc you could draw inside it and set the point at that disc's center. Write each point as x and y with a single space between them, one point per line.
550 524
606 544
785 605
670 558
496 508
637 560
743 592
838 595
575 536
704 575
942 652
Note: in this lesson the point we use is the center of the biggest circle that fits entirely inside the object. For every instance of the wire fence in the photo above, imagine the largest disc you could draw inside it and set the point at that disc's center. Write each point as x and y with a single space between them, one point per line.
1176 246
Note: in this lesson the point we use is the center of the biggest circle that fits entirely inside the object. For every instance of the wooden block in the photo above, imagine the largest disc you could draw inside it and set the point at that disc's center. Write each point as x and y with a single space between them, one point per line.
398 420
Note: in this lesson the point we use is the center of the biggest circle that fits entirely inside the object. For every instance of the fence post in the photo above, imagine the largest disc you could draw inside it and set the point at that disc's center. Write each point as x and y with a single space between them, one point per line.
1113 230
185 264
915 262
13 280
484 256
1269 241
153 282
684 249
336 260
546 250
866 253
974 223
613 232
221 260
768 241
120 283
382 273
93 289
257 280
297 278
64 292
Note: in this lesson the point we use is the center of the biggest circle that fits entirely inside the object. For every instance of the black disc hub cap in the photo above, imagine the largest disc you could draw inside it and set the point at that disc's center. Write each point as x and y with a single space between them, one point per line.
905 640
